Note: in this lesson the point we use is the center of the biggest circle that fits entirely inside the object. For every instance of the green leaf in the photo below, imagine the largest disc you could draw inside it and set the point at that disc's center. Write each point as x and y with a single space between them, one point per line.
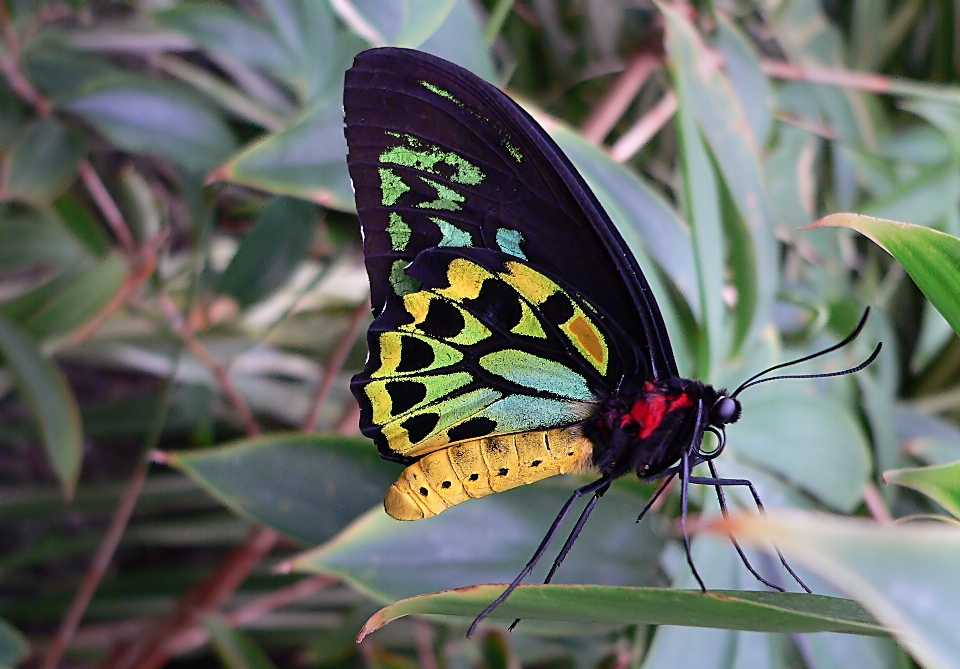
235 649
931 258
271 252
933 440
701 193
15 116
309 487
14 647
67 301
223 28
460 40
940 483
45 391
707 95
748 80
404 23
64 73
307 29
307 160
489 540
719 609
792 177
928 199
904 575
141 115
810 440
43 163
32 239
79 221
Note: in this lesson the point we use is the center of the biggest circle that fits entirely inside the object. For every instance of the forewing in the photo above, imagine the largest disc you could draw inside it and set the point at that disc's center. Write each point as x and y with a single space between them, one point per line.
440 158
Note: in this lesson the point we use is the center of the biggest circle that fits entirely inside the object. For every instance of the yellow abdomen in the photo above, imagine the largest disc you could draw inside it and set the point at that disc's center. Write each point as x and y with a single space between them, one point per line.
483 466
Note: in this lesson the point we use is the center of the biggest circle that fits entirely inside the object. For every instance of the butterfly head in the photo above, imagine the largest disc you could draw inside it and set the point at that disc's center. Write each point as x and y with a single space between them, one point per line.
725 410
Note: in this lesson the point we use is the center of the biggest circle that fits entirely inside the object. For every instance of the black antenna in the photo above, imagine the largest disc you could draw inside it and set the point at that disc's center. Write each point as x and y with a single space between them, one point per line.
824 375
752 381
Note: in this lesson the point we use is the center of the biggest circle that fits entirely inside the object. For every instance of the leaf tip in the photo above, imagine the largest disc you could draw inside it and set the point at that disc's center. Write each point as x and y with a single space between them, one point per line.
222 173
375 622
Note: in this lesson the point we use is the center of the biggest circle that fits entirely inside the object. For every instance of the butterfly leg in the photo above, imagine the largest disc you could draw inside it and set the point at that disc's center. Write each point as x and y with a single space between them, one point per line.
721 498
588 489
718 483
685 480
662 489
574 533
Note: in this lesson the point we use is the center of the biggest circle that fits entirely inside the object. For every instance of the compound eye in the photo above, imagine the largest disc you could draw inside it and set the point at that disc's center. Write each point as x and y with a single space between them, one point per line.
726 410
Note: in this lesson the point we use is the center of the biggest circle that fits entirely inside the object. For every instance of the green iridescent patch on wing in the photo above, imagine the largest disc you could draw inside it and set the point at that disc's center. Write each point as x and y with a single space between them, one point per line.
403 354
427 158
442 93
528 325
452 235
397 397
392 187
426 430
399 232
537 373
509 242
402 284
519 413
447 199
513 151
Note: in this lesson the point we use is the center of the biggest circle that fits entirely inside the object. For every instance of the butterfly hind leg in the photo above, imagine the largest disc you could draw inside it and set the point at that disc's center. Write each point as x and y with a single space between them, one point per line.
718 483
568 544
590 488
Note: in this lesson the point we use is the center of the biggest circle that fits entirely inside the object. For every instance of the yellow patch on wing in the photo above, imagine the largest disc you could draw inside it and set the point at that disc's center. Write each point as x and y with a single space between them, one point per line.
529 324
418 305
466 280
529 282
587 338
579 329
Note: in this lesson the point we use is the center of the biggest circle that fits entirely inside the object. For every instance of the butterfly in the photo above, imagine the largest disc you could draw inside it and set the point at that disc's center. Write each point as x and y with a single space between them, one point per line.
514 335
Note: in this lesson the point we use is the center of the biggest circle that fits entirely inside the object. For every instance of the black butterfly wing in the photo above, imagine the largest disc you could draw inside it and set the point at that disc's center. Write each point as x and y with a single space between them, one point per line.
439 157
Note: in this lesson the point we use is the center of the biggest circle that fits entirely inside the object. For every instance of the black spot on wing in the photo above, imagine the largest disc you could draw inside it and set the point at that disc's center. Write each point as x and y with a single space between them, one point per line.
557 308
443 320
420 426
472 428
405 395
415 354
497 305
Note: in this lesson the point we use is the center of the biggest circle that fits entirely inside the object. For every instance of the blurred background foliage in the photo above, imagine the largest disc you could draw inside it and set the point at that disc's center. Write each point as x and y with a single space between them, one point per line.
182 290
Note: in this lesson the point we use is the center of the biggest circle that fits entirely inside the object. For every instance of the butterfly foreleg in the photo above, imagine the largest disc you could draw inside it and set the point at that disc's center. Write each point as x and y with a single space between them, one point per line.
588 489
685 479
718 483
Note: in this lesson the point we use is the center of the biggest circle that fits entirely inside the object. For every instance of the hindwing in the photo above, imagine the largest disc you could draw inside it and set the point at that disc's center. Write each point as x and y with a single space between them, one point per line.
488 345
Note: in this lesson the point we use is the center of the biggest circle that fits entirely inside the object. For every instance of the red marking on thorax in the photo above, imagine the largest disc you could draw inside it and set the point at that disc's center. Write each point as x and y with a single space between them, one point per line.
649 410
